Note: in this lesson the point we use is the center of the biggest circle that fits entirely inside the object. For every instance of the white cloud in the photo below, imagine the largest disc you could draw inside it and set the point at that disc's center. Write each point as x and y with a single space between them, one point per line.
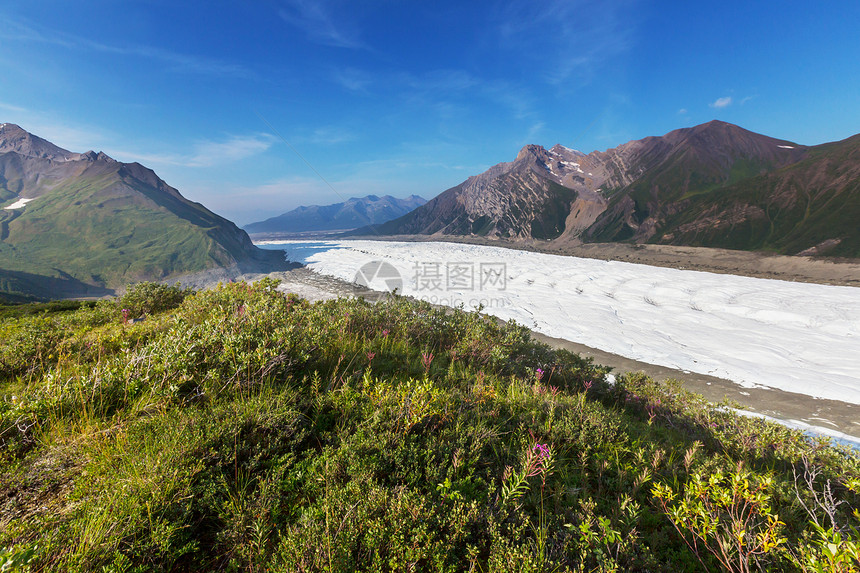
566 38
353 79
10 107
317 21
682 111
76 138
204 153
329 136
534 130
209 153
442 80
722 102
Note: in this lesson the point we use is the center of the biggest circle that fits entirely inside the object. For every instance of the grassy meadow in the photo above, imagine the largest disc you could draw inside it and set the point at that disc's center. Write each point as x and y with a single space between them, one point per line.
241 429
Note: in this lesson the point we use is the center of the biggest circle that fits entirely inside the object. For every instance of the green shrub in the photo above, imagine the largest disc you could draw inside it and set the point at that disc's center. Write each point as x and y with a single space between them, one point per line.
151 298
243 429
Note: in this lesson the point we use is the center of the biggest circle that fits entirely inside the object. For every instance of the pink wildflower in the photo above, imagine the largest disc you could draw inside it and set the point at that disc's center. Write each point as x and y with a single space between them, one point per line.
427 360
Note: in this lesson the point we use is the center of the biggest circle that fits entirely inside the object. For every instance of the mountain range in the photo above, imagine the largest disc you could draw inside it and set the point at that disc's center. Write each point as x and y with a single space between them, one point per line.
84 224
715 185
77 224
353 213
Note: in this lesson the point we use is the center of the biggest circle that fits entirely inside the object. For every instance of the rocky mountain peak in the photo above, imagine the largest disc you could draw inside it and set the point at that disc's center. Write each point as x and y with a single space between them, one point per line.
714 184
93 156
532 151
14 139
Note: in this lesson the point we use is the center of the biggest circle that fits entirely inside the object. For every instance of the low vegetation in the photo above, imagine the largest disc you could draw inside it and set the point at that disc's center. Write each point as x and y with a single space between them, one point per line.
241 429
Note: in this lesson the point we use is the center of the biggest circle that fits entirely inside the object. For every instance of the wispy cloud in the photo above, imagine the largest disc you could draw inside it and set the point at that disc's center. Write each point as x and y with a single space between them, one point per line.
566 37
12 29
533 132
205 153
683 111
448 90
316 19
353 79
74 137
209 153
328 136
441 81
722 102
10 107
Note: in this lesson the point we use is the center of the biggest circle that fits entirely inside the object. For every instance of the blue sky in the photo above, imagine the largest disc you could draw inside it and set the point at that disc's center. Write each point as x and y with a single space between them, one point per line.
248 106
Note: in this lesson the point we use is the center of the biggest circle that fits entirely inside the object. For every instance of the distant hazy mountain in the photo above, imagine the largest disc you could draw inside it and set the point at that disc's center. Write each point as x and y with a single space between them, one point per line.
83 223
356 212
715 185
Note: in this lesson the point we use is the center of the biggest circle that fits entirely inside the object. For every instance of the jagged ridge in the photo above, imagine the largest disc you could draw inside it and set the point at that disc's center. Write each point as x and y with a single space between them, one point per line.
715 184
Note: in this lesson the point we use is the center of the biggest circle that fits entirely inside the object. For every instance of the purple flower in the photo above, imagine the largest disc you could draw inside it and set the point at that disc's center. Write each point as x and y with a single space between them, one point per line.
537 460
542 450
539 374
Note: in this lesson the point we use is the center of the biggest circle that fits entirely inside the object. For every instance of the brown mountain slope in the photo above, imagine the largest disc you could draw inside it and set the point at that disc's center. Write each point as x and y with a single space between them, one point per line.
715 184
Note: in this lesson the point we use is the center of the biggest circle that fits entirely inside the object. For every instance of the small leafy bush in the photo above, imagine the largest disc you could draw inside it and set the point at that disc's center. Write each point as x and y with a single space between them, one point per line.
152 298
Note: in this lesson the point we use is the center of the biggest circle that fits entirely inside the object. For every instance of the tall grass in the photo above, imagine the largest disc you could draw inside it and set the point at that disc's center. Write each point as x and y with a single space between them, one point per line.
243 429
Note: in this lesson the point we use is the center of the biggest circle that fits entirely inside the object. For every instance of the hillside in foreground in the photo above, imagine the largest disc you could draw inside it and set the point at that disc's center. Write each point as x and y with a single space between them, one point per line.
244 429
82 224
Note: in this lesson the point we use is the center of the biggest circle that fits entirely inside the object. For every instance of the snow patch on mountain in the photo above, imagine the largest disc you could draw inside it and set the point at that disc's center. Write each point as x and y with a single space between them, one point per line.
19 203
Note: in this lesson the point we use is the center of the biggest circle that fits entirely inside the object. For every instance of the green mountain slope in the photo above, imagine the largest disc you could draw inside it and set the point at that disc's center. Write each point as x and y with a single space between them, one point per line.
678 167
94 221
812 206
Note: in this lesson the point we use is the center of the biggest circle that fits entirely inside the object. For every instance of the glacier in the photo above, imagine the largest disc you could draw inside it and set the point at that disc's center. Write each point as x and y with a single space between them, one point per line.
797 337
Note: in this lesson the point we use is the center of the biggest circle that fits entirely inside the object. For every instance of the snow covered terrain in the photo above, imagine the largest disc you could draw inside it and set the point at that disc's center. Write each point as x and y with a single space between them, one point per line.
797 337
18 204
